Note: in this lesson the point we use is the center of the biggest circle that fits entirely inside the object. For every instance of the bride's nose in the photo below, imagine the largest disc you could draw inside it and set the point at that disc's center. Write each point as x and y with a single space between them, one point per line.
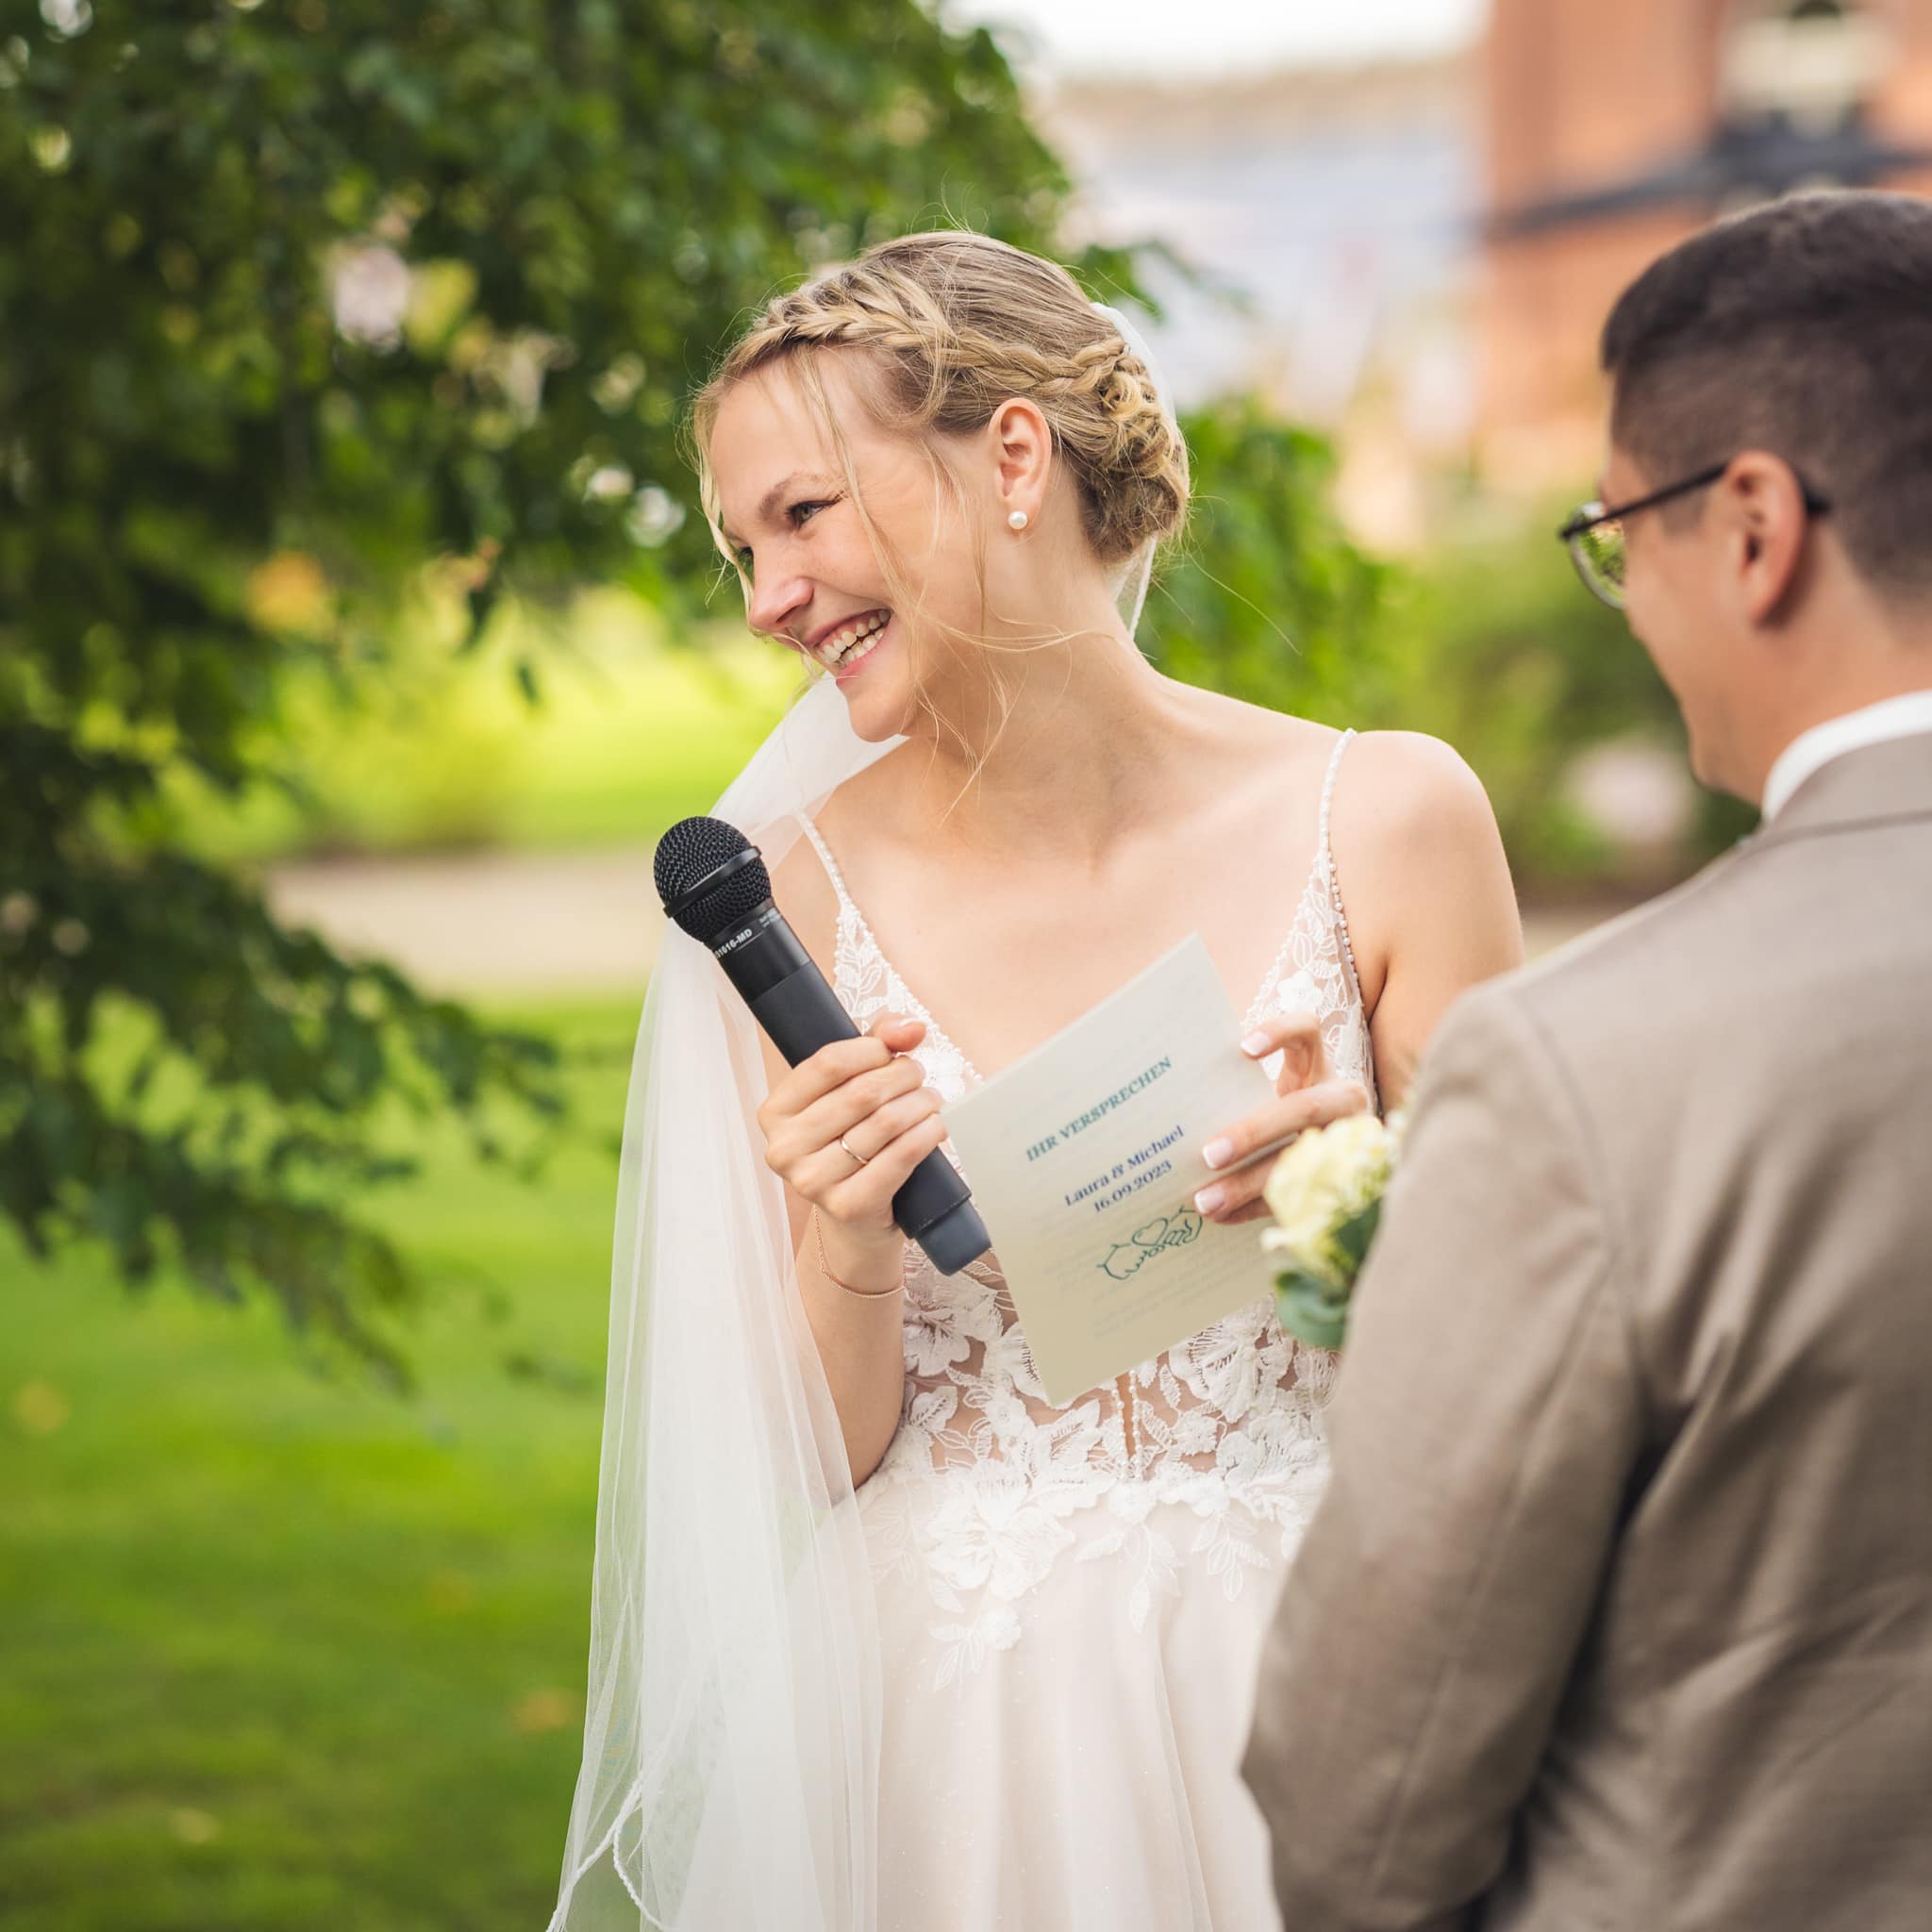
776 597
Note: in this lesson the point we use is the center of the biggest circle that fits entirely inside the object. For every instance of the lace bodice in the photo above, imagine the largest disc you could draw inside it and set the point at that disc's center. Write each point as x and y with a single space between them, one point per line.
1228 1423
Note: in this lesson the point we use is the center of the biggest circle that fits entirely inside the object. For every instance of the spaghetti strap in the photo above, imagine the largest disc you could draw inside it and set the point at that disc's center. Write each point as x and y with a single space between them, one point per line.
1342 745
830 864
1326 861
859 951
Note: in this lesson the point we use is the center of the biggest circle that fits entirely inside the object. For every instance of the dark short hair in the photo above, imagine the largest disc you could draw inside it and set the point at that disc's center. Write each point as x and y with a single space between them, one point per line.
1804 329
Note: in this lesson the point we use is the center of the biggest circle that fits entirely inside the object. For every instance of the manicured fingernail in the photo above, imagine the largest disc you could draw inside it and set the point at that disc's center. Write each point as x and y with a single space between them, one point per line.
1209 1199
1218 1153
1256 1045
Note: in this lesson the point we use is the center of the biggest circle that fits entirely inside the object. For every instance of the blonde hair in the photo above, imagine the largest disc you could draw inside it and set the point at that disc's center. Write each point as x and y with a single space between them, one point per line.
956 324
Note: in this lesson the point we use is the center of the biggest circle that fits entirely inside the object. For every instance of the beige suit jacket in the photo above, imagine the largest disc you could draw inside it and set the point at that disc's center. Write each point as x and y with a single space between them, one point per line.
1617 1613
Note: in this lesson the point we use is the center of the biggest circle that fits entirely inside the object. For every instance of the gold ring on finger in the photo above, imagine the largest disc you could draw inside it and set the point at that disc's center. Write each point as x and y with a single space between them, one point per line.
861 1159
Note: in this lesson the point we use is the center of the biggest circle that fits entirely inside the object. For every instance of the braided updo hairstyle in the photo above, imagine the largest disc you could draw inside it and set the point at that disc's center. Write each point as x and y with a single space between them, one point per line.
955 324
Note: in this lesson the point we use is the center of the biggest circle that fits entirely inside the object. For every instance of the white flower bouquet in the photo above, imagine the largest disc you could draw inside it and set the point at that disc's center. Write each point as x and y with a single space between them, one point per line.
1326 1193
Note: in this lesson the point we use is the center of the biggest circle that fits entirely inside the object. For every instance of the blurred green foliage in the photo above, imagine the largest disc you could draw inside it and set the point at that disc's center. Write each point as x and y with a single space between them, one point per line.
1495 645
295 299
1265 598
443 753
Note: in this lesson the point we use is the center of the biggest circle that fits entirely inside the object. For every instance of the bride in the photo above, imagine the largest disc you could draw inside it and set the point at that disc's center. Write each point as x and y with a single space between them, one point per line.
880 1638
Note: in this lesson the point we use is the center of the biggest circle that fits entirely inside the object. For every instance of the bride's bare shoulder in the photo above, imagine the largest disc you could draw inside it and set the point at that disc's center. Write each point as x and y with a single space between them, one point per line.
1397 788
1419 860
1271 744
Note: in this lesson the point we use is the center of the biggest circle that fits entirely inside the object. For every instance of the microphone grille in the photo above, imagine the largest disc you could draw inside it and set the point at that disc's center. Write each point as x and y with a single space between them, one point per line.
687 854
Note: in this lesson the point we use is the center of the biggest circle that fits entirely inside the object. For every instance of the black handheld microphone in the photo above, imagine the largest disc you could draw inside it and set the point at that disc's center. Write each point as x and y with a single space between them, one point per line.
714 885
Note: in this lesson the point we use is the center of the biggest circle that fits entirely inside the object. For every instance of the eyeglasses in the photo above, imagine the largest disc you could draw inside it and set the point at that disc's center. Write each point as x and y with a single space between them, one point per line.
1595 534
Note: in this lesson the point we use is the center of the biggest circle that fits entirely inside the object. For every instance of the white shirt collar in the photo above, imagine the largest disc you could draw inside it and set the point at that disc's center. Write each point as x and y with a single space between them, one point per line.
1900 717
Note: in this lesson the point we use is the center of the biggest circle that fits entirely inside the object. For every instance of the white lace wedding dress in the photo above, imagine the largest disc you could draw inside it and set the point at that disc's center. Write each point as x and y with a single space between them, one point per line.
1072 1601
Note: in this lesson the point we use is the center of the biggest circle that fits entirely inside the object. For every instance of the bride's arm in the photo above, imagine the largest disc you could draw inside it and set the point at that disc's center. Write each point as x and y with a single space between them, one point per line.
1425 889
851 1264
850 1276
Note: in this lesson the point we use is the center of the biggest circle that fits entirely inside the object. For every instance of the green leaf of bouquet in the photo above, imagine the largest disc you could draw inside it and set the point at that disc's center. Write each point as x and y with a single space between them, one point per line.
1351 1239
1312 1308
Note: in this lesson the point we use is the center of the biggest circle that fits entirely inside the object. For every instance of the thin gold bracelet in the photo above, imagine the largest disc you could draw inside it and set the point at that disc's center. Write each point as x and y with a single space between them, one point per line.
864 1295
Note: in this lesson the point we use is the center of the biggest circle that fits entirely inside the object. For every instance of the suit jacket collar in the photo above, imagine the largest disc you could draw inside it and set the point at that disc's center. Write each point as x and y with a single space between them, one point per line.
1878 785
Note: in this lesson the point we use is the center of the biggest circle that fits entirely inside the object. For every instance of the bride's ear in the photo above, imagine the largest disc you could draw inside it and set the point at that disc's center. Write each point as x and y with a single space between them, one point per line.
1021 445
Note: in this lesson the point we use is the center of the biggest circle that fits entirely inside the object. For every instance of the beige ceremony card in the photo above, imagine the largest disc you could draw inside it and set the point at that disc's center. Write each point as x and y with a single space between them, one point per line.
1084 1160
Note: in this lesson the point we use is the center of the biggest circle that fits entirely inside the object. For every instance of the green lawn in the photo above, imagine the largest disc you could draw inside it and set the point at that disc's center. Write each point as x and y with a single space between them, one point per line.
284 1653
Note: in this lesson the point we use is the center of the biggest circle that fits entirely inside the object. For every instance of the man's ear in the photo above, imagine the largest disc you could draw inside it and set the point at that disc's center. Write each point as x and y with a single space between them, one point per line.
1760 504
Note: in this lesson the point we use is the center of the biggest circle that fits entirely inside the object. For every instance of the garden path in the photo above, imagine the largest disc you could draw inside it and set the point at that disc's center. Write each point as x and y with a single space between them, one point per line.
547 923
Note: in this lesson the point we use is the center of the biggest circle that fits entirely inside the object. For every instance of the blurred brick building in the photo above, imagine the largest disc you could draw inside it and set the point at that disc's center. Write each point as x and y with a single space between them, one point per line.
1614 131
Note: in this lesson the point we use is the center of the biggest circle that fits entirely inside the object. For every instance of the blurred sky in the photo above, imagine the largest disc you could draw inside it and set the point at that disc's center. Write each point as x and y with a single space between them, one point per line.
1202 36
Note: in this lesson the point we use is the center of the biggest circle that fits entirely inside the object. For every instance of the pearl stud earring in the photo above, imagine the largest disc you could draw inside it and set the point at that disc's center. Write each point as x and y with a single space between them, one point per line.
1017 520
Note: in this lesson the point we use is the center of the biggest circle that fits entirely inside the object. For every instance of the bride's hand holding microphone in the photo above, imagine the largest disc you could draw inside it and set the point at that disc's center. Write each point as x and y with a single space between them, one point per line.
1308 1094
714 885
844 1130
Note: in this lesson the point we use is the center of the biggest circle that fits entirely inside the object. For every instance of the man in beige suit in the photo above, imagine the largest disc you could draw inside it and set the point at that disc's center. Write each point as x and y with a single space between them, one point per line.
1619 1611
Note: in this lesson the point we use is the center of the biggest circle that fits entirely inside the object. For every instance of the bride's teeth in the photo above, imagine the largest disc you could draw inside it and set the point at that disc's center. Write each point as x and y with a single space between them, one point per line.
838 655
